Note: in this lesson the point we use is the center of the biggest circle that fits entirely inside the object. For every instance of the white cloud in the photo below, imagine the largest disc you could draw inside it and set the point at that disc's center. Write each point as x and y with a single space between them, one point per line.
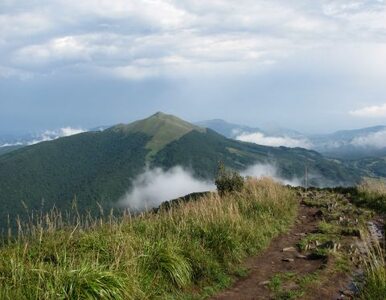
224 35
50 135
261 139
374 111
155 186
373 140
23 24
268 170
64 48
11 144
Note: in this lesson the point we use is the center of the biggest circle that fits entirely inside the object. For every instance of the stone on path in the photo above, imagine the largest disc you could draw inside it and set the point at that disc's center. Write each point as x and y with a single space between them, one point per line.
288 259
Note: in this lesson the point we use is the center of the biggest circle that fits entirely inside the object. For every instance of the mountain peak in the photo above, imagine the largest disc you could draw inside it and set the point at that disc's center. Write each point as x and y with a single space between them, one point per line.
162 128
160 114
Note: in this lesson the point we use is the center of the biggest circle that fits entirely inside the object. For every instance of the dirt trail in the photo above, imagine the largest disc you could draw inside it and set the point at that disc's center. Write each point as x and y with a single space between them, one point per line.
272 261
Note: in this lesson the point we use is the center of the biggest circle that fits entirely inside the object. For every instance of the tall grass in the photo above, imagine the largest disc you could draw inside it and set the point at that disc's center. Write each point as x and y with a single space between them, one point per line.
189 249
375 269
372 194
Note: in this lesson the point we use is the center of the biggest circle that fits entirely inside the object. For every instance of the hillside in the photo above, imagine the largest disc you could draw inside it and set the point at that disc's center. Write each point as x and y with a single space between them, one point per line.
101 166
154 256
7 149
352 144
266 240
344 144
370 167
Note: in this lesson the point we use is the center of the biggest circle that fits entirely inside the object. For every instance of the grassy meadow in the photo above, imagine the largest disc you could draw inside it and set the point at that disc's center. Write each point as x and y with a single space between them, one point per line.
186 252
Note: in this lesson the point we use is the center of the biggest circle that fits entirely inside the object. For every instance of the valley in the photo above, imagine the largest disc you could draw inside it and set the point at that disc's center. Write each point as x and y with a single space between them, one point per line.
97 168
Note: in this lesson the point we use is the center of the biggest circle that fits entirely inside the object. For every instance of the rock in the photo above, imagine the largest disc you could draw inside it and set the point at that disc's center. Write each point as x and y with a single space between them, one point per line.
289 249
288 259
301 234
301 256
264 282
348 293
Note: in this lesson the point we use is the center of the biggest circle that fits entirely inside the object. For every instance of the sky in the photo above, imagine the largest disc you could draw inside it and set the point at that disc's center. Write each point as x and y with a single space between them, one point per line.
313 66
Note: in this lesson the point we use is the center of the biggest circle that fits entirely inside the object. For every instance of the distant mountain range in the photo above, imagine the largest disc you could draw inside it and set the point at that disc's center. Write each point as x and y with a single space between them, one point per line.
100 166
346 144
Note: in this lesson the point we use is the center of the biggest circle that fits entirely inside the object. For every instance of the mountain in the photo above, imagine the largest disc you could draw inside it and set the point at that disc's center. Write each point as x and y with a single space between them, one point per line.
344 144
232 130
11 142
101 166
226 129
6 149
370 166
352 144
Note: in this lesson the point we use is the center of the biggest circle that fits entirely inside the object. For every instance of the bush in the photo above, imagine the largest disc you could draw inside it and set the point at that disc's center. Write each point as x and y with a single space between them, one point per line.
228 181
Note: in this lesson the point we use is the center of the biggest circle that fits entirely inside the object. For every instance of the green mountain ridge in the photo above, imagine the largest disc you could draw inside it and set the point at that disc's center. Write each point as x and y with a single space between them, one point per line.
162 128
99 167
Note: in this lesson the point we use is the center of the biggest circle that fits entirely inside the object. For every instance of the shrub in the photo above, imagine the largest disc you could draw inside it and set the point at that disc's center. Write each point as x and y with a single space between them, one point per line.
228 181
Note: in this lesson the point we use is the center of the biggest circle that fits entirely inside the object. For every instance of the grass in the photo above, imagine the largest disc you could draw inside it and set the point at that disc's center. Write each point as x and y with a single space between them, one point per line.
372 194
186 252
375 271
334 240
301 283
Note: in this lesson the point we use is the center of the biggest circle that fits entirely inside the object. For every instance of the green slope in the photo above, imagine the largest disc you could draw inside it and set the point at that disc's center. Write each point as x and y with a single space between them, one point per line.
162 129
201 152
93 167
369 167
7 149
100 166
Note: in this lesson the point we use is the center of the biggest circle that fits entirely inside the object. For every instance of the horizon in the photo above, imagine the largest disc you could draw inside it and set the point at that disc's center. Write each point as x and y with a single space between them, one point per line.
75 129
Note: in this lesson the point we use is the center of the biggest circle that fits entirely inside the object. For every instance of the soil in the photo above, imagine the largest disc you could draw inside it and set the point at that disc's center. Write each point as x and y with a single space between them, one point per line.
272 261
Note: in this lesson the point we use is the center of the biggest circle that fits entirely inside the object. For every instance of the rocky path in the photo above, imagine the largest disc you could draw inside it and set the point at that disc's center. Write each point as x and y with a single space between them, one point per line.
274 260
283 258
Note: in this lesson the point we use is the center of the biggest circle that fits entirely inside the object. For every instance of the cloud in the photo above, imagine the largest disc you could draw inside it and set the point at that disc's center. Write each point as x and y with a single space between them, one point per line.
50 135
47 135
116 35
261 139
155 186
374 140
11 144
269 170
23 24
374 111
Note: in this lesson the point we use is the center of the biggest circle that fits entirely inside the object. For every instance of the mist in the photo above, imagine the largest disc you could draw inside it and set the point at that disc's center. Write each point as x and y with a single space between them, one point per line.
375 140
269 170
274 141
47 135
155 186
50 135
